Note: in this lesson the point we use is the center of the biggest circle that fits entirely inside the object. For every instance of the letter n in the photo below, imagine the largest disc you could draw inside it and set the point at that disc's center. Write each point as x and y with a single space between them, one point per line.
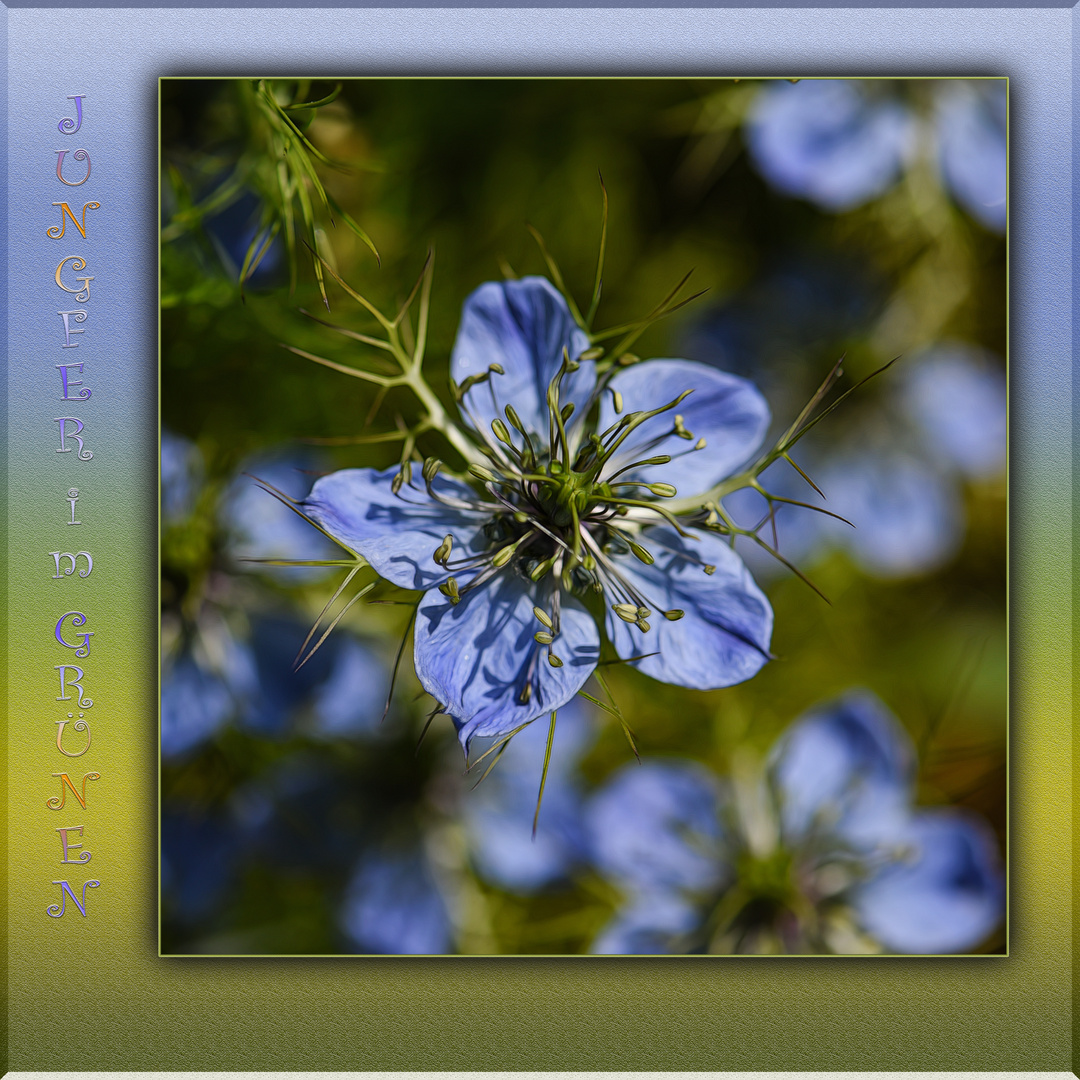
57 802
56 911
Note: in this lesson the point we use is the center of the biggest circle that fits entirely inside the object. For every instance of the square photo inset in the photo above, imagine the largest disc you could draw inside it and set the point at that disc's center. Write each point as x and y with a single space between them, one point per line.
583 516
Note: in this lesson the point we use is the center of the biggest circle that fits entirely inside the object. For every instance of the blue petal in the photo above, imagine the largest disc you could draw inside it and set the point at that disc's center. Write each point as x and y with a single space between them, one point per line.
655 828
723 637
194 705
727 411
393 906
649 925
957 395
352 699
475 657
499 814
181 476
908 517
524 326
824 140
946 897
973 149
397 534
847 767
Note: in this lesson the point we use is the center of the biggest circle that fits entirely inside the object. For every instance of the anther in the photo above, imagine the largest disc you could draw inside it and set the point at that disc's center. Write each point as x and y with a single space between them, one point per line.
710 569
674 615
442 552
567 412
553 660
504 555
482 474
592 354
543 637
616 400
526 693
700 444
626 612
449 588
665 491
641 553
501 433
680 429
543 617
643 626
627 359
431 467
542 568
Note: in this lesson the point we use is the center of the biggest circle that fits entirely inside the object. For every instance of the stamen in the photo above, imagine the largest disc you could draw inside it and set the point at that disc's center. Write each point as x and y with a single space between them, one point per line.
680 430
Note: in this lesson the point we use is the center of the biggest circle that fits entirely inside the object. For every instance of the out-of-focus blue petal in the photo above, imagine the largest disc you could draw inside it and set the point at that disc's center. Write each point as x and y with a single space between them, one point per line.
499 813
282 688
181 476
262 527
524 326
352 699
946 896
194 705
827 141
728 412
392 905
397 534
647 925
722 639
957 396
199 859
908 518
845 768
655 828
476 657
972 147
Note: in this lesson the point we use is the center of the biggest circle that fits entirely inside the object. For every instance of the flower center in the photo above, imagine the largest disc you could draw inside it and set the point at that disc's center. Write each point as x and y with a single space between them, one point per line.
562 512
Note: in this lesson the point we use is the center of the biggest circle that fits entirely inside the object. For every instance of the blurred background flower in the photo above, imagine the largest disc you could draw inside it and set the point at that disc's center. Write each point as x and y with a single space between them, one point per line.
861 219
821 852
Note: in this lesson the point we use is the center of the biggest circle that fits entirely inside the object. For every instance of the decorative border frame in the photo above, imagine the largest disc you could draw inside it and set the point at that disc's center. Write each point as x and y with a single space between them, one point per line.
90 993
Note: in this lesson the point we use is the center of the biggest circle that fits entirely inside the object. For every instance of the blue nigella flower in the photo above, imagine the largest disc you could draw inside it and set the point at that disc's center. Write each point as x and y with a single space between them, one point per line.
561 513
822 852
828 141
973 147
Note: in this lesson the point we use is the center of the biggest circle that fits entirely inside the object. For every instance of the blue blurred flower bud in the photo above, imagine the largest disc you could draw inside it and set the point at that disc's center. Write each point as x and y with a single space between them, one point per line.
828 141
